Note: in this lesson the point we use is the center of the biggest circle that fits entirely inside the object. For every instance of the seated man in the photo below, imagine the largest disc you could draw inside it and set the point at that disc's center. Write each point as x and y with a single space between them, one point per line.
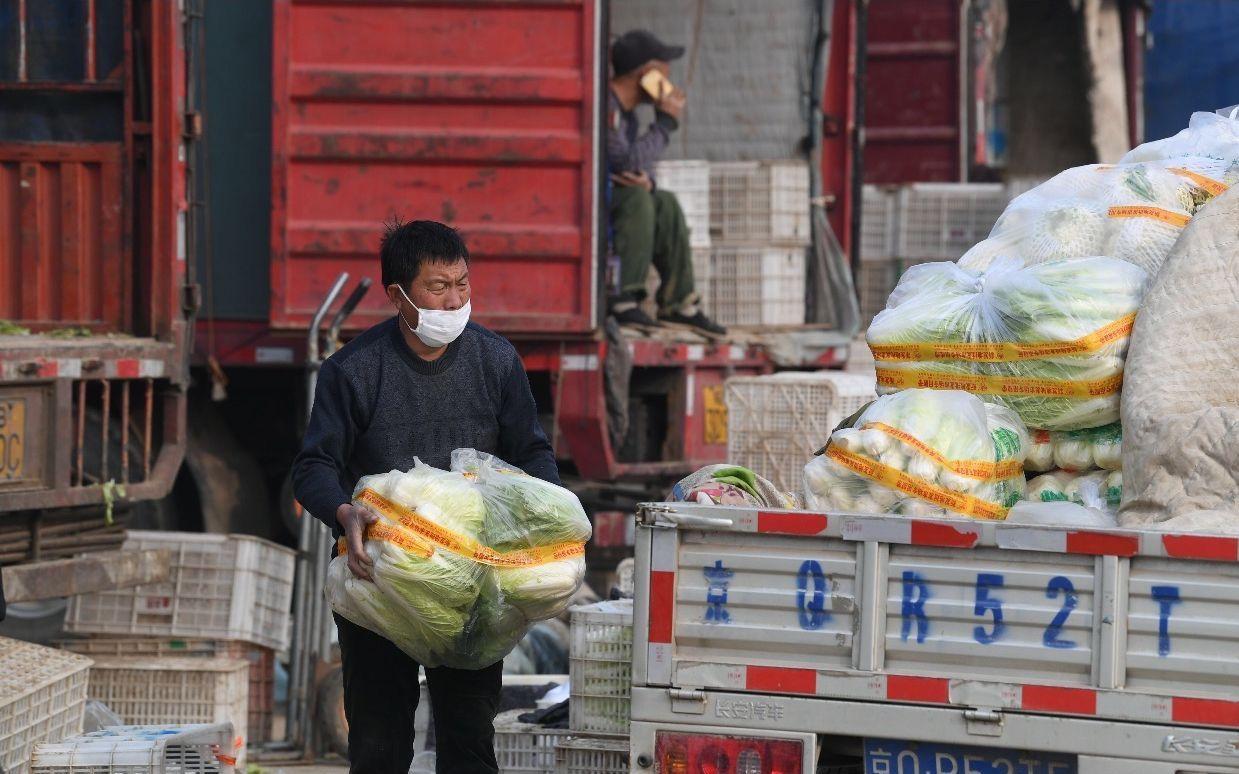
649 224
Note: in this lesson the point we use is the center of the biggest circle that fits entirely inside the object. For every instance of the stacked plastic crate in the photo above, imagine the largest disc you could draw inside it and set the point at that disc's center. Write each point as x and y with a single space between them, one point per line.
690 182
42 698
902 226
759 234
215 624
600 686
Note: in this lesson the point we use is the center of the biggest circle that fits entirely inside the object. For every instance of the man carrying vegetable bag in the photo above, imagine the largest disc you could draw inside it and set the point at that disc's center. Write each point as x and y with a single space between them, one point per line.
417 386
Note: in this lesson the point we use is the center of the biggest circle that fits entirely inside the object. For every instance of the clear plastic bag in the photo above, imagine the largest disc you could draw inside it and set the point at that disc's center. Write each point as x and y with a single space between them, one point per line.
1133 212
922 453
1100 489
1207 134
1047 340
464 560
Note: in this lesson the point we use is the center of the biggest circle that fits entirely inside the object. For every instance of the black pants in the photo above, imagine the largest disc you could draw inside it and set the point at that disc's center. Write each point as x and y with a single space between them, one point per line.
380 698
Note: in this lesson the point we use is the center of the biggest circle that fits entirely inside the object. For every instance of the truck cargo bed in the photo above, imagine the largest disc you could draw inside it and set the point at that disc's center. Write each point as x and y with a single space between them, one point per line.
1131 625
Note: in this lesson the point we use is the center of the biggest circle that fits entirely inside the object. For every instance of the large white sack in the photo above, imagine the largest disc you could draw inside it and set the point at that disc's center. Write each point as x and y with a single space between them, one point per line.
1180 401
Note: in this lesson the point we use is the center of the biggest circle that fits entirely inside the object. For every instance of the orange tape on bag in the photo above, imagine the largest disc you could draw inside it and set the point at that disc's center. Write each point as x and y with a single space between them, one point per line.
1005 351
1152 213
978 469
918 487
1209 184
424 532
998 385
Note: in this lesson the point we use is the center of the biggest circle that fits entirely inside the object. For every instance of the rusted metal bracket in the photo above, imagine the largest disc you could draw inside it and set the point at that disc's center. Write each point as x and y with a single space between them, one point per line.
101 571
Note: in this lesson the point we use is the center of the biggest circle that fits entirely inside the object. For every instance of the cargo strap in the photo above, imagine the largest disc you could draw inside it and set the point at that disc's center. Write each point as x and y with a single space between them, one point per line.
959 502
1005 351
979 469
413 532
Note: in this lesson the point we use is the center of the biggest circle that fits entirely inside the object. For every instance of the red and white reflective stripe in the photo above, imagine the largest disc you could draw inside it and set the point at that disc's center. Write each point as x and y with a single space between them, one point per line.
35 369
914 532
662 607
1069 541
964 533
1217 549
918 689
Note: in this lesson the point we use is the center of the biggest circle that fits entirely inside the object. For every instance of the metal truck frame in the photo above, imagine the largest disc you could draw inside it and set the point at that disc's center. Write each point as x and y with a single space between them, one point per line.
1109 645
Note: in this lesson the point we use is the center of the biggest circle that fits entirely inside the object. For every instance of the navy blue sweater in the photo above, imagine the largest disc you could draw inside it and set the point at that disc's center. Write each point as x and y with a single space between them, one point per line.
378 406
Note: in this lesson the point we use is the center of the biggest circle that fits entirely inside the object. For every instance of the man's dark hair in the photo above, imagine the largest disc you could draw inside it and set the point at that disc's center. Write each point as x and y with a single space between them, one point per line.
406 246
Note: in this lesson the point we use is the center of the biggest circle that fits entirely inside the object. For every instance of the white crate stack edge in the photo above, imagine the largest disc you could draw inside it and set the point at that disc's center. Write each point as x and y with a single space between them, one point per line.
178 691
689 180
227 587
757 285
760 203
525 748
592 755
600 667
775 423
138 750
42 698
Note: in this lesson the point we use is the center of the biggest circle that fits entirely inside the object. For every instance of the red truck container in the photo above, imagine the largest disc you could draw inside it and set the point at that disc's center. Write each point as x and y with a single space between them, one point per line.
486 115
92 252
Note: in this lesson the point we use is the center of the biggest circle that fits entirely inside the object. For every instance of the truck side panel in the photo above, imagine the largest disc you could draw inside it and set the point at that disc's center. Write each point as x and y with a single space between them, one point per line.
479 114
1124 625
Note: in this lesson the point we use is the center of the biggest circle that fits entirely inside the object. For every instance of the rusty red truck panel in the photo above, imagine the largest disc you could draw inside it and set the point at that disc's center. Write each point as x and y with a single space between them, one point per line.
480 114
912 92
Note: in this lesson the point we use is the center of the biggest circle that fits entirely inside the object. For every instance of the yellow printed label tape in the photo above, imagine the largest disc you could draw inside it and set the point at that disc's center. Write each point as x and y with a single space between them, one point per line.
978 469
1006 351
1152 213
1209 184
415 532
959 502
998 385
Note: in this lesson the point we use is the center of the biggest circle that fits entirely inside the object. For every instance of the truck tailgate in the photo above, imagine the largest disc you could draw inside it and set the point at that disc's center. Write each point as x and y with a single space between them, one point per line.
1122 624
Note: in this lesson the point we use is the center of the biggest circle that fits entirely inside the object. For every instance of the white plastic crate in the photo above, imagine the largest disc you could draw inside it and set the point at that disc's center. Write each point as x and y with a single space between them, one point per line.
760 202
525 748
757 285
177 691
775 423
941 221
878 222
193 749
592 755
690 182
224 587
42 698
600 667
261 672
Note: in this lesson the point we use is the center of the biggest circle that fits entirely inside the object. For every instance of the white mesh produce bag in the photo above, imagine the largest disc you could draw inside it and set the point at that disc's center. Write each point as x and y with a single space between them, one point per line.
922 453
1134 212
464 560
1207 134
1047 340
1076 450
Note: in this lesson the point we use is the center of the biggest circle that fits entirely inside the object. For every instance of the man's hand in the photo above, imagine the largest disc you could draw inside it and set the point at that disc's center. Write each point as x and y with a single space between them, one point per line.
672 104
639 179
353 521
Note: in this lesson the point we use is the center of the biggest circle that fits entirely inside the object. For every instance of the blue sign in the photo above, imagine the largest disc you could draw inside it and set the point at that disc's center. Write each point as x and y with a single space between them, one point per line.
884 756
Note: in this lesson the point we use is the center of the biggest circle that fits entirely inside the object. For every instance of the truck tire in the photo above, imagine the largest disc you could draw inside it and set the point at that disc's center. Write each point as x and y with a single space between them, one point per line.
332 723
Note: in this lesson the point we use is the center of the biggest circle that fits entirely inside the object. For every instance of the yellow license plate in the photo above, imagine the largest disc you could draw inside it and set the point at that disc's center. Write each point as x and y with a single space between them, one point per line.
12 438
716 415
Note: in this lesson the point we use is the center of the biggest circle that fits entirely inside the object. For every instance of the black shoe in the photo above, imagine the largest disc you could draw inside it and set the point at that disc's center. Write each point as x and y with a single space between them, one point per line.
698 321
634 316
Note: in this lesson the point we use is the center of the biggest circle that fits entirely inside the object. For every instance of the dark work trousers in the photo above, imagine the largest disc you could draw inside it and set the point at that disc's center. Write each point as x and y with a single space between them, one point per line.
380 697
650 228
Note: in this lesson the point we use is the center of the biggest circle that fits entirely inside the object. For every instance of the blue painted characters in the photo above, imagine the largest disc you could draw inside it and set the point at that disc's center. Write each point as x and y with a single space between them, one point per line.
811 595
717 579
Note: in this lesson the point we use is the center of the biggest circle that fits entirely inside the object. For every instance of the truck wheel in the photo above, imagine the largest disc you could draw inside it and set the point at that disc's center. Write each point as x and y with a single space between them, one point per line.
332 723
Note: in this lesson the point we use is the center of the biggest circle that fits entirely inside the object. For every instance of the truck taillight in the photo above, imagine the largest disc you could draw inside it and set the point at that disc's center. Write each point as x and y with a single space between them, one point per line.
714 754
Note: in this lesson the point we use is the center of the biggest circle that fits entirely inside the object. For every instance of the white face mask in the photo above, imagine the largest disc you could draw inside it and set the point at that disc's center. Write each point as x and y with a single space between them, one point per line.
437 327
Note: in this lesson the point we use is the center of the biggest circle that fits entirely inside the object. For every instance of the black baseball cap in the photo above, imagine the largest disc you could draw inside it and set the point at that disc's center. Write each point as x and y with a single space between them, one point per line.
636 47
